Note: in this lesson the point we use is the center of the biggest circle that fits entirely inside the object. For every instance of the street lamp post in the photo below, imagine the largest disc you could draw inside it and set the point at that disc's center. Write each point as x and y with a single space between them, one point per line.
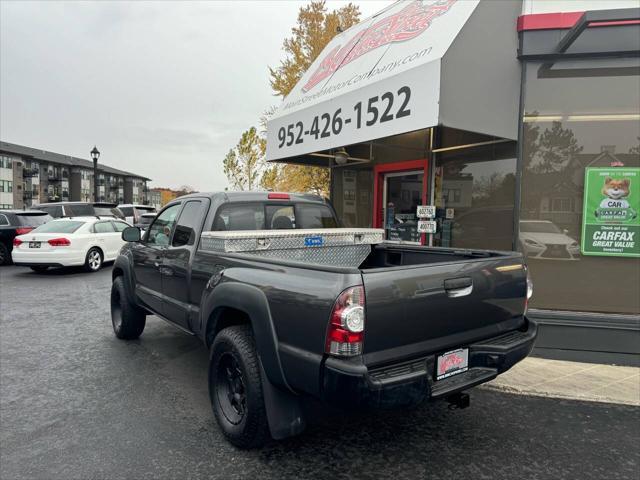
95 155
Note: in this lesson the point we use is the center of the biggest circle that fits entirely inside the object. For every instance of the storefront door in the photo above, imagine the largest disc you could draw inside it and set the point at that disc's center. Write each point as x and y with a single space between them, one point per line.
400 188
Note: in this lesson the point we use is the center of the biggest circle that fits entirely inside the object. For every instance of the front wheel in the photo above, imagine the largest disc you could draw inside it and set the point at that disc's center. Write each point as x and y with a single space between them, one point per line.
235 388
93 260
127 319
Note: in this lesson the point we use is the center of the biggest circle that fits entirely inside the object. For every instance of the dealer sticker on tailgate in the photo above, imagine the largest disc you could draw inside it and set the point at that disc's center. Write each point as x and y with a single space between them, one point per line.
452 363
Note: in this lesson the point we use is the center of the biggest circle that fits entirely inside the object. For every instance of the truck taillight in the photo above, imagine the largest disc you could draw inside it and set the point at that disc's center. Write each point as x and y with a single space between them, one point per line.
59 242
345 336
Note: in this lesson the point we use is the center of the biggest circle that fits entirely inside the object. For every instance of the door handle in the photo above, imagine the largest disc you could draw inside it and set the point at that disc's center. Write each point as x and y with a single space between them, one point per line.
458 287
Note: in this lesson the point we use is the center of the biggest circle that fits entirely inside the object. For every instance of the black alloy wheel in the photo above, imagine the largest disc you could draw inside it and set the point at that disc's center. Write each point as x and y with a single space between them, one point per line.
230 390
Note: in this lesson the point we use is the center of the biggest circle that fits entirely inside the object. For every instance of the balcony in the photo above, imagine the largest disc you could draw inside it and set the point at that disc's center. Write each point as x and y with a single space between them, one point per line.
54 177
30 172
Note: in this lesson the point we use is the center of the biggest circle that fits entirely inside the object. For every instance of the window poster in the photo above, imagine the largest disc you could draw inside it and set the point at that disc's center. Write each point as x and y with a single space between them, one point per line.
610 222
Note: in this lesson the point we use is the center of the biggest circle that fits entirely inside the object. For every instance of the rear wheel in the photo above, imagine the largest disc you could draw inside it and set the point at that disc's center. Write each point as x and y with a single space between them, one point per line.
93 260
39 268
235 388
5 255
127 319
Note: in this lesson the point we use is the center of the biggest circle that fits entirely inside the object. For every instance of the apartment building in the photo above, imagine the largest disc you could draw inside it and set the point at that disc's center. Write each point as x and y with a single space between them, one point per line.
29 176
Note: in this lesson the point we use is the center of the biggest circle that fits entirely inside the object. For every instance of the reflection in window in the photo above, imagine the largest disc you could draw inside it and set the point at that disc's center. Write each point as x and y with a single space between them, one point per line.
572 123
479 185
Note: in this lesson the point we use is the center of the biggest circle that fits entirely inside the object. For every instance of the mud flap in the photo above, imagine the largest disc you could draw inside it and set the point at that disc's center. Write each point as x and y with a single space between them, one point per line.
284 412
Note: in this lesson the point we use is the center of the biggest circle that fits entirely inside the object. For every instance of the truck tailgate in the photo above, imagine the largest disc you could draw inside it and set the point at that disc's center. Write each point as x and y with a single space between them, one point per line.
423 309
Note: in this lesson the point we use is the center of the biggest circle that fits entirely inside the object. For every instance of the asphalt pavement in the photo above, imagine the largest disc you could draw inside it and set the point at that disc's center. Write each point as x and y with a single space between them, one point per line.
76 403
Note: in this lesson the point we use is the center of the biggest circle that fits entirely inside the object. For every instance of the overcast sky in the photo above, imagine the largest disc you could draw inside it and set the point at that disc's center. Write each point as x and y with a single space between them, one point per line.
163 89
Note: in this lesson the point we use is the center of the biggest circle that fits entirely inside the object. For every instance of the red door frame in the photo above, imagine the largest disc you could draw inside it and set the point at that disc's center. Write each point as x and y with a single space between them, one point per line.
378 184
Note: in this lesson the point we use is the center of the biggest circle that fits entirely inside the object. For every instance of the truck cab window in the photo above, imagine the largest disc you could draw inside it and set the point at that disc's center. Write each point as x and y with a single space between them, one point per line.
188 223
239 217
280 218
315 216
160 230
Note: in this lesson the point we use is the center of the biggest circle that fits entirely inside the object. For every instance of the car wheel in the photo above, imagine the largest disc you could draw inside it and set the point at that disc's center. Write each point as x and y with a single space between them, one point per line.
235 388
93 260
127 319
5 255
39 268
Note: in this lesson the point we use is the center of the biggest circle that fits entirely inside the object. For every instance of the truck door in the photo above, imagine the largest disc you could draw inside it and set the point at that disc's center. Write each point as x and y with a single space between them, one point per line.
147 258
176 265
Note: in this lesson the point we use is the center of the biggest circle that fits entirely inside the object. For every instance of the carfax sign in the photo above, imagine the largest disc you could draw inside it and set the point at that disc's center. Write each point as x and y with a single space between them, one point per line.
610 221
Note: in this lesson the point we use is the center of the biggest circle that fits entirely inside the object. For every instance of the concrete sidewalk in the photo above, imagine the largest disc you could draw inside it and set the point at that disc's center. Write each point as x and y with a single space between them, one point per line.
572 380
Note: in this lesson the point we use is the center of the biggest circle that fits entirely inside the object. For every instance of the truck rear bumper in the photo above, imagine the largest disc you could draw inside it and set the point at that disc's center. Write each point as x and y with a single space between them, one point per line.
347 383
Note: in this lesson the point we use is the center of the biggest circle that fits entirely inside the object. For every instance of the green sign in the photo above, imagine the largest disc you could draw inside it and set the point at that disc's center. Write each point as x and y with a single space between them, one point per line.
610 216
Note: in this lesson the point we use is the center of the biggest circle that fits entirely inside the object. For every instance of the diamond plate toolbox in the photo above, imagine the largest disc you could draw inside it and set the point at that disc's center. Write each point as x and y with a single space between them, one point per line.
345 247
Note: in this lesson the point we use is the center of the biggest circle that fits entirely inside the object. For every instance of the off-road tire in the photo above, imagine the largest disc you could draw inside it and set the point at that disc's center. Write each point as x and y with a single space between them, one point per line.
93 261
5 255
252 429
39 268
127 319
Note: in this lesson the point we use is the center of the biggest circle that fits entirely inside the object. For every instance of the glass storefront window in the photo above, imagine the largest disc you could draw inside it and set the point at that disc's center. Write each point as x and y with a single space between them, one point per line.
587 114
474 197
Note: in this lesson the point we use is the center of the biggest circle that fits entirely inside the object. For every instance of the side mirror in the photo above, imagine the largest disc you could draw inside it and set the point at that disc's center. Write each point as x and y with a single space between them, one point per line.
131 234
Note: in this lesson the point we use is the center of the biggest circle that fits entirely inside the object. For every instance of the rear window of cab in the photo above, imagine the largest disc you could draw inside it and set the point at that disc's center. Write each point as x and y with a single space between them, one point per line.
62 226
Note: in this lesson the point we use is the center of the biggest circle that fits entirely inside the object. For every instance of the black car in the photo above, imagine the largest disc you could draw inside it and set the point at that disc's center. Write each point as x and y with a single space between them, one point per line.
14 223
81 209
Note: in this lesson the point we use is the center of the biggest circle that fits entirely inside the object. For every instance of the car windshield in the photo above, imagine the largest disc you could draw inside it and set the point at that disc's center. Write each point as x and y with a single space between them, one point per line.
79 210
33 219
539 227
62 226
143 209
108 212
127 211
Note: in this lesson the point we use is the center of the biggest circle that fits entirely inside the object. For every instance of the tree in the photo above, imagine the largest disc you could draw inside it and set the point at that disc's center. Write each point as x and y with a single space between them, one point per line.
245 164
315 28
556 148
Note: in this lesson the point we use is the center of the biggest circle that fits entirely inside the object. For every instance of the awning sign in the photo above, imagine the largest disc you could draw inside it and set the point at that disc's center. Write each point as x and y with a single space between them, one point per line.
610 218
378 78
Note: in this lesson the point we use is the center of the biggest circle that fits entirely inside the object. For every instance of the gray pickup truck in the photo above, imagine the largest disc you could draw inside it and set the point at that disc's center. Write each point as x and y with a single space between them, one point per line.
291 306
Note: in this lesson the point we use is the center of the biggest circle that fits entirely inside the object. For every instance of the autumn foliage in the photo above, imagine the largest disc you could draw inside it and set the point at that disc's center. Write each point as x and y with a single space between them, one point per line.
315 27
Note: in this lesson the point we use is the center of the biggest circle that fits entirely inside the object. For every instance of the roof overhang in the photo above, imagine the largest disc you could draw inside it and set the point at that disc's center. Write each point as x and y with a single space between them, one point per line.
390 74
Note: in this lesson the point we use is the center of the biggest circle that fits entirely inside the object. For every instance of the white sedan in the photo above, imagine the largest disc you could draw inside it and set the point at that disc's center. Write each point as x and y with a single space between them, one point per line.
65 242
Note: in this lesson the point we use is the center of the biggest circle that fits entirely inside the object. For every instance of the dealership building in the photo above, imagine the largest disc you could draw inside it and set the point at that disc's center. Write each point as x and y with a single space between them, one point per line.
518 122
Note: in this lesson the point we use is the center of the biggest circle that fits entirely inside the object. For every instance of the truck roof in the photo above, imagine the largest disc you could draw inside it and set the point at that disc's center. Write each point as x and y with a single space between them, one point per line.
223 197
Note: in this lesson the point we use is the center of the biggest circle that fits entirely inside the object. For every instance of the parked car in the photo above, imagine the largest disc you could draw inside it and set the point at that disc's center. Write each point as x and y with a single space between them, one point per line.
17 222
65 242
292 307
132 212
145 220
542 239
81 209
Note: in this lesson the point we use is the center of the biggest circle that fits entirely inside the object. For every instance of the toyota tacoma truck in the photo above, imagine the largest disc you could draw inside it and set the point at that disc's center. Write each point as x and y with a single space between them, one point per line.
291 306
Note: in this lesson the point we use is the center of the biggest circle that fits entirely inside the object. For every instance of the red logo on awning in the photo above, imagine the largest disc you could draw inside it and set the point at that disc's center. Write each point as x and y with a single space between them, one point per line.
410 22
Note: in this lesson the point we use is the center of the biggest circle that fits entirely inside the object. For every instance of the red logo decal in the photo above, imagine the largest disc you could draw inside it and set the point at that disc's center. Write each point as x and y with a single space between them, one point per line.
450 362
410 22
